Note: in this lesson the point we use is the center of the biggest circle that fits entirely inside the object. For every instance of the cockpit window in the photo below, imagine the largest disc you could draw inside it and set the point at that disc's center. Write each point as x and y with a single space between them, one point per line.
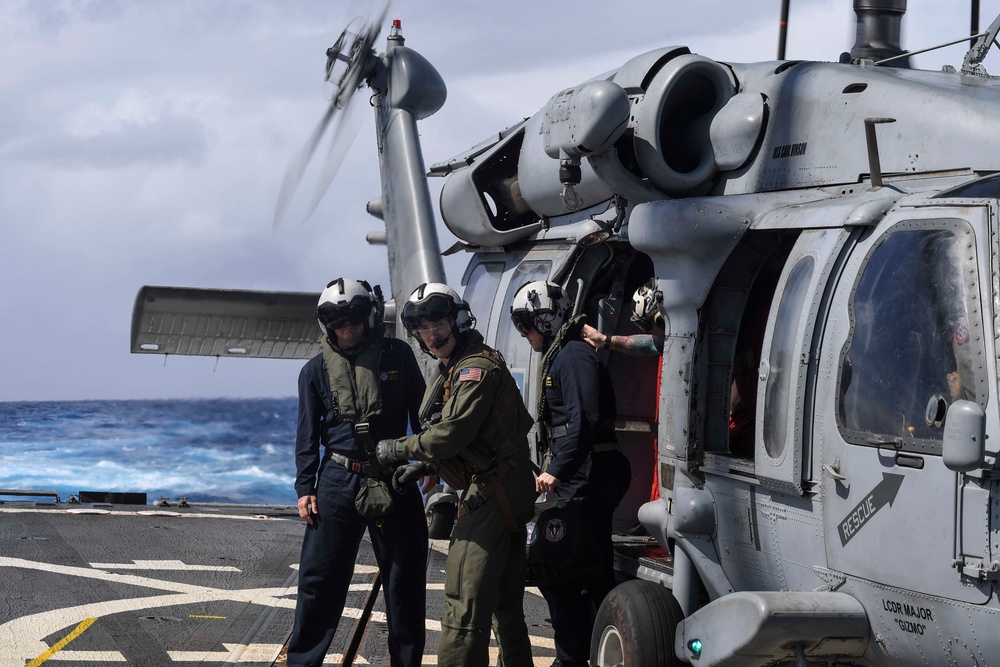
916 337
783 361
982 188
511 344
481 291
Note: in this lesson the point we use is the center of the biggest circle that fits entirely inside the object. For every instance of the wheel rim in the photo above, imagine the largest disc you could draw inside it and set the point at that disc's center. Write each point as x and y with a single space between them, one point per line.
609 652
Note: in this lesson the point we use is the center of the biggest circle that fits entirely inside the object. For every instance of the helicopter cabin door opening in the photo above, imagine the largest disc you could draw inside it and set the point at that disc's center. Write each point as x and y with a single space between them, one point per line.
733 319
609 277
636 379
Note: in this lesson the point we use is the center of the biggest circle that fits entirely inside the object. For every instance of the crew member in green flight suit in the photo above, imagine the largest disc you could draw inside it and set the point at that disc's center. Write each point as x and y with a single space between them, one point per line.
479 444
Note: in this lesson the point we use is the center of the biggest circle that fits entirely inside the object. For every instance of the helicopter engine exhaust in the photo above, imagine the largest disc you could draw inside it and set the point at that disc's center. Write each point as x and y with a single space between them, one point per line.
663 125
878 31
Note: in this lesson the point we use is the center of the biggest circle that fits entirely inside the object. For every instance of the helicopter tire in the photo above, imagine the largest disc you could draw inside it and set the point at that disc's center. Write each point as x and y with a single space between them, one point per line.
636 625
440 520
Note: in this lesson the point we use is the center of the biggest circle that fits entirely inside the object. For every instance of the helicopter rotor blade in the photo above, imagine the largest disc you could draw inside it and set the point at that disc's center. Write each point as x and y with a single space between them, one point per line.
345 130
350 61
297 167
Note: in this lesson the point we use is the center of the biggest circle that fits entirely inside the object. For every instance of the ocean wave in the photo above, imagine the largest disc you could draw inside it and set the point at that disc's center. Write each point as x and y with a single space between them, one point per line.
205 450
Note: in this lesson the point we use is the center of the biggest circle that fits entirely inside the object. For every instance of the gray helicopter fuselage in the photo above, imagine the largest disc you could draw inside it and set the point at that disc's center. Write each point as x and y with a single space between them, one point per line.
842 286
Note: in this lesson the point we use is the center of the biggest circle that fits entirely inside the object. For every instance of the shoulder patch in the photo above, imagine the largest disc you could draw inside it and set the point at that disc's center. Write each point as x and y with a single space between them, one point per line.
470 375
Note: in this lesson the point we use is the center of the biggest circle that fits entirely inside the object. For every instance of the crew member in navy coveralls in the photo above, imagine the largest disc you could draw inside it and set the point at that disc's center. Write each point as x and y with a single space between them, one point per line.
577 411
361 376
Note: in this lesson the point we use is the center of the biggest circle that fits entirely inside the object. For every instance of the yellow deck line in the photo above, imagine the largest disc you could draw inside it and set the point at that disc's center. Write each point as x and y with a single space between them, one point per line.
59 645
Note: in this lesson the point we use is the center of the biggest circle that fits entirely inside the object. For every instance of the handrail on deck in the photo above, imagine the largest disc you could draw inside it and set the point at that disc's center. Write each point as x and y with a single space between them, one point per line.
29 492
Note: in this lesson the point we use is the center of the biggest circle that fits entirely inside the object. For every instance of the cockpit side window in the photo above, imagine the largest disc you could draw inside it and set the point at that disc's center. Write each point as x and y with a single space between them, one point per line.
783 360
481 291
511 344
916 337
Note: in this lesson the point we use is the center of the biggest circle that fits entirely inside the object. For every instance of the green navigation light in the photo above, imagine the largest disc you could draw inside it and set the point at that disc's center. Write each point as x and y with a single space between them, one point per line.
694 646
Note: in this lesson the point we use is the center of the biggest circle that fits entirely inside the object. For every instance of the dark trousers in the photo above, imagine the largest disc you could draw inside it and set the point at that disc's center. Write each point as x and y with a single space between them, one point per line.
573 606
326 568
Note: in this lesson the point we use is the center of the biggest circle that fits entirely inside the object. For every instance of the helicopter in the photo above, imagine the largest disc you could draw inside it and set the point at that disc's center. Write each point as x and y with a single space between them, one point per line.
813 454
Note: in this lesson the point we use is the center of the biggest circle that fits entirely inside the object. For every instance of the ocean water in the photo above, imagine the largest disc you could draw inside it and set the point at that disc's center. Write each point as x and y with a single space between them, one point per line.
207 450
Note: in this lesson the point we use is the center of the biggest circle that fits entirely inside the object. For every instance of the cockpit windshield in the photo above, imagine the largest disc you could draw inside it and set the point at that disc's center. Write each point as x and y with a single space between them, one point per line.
982 188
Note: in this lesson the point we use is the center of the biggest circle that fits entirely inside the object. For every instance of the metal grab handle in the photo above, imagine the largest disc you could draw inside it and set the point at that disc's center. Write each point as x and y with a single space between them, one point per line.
885 442
578 305
834 470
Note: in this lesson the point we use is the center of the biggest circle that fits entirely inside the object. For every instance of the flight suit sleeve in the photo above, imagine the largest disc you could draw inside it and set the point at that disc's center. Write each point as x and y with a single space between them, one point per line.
461 418
307 431
578 379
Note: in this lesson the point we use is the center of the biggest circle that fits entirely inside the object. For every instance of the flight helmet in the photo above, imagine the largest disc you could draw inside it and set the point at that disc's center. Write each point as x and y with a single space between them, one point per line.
434 302
346 300
646 309
540 305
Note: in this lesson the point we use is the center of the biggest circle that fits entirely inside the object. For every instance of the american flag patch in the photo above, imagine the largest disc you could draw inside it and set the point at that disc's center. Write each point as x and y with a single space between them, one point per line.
470 375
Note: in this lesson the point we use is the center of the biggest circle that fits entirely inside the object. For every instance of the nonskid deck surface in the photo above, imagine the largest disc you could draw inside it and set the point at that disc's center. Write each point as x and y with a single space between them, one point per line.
113 585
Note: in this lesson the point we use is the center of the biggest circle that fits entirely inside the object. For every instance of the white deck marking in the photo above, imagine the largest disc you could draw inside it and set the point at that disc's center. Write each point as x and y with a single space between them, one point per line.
537 660
22 638
337 658
235 653
163 565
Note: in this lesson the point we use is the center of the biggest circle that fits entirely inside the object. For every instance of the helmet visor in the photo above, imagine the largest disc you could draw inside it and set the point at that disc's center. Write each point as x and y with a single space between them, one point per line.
523 321
334 317
432 309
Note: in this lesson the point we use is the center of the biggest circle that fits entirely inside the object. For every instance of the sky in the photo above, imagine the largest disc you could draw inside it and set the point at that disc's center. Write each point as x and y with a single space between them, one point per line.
144 143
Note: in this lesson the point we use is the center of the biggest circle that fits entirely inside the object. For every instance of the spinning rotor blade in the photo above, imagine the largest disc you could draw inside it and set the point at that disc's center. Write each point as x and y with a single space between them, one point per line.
346 125
349 62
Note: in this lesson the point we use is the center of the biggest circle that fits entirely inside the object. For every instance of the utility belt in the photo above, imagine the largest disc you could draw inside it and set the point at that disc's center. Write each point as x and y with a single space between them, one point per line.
562 430
490 487
369 468
355 466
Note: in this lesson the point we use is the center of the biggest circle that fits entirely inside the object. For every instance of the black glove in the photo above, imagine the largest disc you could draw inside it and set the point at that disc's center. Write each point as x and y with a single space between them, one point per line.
389 451
411 472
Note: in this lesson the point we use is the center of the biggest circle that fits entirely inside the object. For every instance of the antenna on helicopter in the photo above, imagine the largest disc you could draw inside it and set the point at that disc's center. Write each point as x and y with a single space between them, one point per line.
350 62
783 29
973 22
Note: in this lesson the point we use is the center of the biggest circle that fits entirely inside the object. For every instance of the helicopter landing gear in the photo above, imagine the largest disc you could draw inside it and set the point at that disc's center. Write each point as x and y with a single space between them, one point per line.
635 626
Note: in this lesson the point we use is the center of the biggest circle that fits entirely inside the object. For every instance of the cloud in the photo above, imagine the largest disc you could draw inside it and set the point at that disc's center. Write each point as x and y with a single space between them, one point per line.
163 143
145 142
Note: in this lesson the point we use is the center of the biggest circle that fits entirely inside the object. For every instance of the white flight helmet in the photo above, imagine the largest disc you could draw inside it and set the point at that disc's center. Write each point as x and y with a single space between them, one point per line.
347 301
646 311
433 302
542 306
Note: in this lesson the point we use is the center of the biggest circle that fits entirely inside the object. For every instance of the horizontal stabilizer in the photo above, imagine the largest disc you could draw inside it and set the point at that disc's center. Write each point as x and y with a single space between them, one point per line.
225 323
